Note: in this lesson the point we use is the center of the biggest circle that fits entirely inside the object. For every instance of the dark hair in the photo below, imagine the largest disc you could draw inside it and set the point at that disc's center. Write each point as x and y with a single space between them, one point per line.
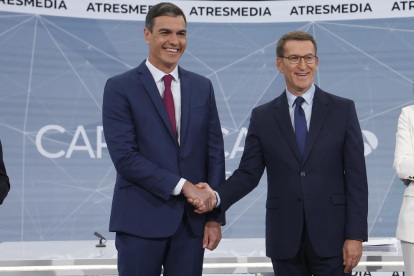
296 35
163 8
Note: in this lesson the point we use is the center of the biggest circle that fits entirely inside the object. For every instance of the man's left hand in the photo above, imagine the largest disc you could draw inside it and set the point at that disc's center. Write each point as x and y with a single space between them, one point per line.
212 235
352 252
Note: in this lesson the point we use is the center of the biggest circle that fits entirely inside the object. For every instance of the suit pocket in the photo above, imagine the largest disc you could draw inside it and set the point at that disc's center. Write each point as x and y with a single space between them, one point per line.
339 199
200 108
272 203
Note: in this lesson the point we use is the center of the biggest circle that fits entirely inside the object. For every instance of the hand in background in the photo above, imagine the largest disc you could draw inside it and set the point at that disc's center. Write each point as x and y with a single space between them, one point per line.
202 197
352 252
212 235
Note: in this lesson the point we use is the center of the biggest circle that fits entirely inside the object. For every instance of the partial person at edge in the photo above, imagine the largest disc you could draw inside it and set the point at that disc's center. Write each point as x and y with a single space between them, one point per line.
4 179
404 166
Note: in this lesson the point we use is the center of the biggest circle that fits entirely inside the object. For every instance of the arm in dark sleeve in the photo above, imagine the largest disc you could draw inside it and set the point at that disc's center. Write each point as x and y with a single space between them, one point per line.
216 163
355 180
250 170
119 130
4 179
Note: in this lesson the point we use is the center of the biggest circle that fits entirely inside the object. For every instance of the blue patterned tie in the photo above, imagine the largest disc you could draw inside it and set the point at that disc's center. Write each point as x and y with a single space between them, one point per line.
300 125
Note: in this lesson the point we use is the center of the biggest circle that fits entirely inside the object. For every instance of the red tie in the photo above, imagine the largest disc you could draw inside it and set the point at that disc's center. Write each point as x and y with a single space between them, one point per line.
169 102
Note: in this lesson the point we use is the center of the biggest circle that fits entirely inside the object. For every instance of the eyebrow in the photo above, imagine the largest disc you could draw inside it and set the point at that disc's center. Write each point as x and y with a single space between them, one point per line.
304 55
168 30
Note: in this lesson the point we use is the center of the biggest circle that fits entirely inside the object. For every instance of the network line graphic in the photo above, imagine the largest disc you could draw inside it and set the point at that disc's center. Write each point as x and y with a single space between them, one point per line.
53 71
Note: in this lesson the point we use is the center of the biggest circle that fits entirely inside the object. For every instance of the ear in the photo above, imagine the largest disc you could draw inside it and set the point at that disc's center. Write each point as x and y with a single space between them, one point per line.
279 64
316 61
147 35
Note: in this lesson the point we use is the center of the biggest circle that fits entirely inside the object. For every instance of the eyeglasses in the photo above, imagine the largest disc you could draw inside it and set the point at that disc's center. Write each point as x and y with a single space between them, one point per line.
309 59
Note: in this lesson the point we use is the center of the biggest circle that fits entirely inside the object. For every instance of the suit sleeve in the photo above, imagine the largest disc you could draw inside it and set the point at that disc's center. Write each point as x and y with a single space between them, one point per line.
355 180
4 179
250 170
120 136
216 163
404 151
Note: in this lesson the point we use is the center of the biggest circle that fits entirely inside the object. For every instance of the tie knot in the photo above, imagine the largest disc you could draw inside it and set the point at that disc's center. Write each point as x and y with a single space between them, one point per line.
299 101
167 80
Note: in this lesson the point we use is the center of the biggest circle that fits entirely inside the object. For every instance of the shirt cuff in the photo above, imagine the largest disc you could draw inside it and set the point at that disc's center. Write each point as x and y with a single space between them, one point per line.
179 187
218 200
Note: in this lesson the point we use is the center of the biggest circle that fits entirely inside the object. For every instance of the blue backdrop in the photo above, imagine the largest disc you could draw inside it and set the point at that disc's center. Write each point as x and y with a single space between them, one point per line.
53 71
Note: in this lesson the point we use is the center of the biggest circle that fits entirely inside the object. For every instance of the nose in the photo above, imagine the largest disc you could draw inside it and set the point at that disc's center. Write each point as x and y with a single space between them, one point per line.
302 64
173 40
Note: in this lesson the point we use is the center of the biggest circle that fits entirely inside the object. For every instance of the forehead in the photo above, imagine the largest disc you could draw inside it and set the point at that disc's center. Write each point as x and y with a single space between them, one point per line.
298 47
169 22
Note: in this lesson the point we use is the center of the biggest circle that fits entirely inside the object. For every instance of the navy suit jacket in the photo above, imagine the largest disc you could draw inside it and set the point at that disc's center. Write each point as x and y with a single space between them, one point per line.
147 157
327 187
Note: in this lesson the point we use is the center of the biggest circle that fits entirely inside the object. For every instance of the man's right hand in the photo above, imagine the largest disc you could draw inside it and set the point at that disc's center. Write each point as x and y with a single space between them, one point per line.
203 198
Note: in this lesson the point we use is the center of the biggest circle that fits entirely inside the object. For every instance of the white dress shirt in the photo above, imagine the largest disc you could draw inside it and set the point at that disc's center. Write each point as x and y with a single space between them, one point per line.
306 105
158 76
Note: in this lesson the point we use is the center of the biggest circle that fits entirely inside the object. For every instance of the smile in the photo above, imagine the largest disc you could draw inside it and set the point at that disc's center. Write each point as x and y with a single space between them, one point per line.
301 75
171 50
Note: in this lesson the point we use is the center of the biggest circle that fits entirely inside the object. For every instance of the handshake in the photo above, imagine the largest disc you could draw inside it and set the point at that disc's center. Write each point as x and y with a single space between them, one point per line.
201 196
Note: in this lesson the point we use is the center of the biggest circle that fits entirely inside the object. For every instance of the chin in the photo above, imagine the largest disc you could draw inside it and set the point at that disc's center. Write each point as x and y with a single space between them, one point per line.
302 87
171 61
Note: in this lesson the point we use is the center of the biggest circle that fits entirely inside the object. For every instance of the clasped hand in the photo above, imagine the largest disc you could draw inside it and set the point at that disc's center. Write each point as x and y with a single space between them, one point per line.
201 196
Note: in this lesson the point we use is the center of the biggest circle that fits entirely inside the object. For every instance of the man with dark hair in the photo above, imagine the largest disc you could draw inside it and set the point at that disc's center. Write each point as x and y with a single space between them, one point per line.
163 9
311 144
163 134
4 179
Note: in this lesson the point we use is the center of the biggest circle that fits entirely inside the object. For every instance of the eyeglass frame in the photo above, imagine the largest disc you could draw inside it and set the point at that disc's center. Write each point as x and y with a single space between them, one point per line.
300 59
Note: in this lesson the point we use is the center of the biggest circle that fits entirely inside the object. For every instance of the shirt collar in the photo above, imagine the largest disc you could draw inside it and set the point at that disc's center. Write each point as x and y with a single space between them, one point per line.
307 96
157 74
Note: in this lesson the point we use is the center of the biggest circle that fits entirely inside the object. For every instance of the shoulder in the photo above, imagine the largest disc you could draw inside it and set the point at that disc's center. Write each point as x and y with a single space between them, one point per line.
339 105
407 114
264 107
194 77
123 81
408 110
331 98
128 75
264 110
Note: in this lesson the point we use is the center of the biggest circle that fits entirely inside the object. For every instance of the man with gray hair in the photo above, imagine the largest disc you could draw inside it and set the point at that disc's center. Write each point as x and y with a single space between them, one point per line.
311 144
163 134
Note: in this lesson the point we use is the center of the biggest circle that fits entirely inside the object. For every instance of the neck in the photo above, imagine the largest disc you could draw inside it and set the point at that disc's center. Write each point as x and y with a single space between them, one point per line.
298 93
166 68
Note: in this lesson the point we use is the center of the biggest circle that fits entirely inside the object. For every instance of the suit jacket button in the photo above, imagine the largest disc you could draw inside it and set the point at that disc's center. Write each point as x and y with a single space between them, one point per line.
181 160
299 199
302 174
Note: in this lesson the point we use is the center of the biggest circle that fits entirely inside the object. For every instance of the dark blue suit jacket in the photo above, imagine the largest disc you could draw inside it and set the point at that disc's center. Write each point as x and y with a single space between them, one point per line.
147 157
327 187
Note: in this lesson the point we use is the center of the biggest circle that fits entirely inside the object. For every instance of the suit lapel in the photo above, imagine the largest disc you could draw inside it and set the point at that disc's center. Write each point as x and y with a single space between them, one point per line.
185 84
282 116
148 81
320 109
